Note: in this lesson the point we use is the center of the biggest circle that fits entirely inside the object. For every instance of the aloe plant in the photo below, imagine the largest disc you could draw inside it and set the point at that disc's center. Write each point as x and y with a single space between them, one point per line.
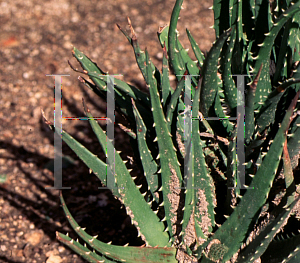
182 172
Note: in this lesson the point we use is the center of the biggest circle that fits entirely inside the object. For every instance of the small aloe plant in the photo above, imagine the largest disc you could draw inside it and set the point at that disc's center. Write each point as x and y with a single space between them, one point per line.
176 216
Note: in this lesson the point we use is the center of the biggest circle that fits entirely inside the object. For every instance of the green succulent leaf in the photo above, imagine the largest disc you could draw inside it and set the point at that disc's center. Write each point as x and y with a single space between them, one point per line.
170 171
121 253
232 233
258 246
81 250
141 214
209 73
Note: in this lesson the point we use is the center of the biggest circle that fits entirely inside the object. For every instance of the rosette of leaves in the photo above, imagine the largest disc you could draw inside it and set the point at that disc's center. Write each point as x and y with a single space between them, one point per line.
180 217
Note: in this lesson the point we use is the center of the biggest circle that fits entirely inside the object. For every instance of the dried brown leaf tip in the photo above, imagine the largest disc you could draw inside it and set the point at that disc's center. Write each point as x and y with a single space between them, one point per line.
161 28
46 121
81 79
132 30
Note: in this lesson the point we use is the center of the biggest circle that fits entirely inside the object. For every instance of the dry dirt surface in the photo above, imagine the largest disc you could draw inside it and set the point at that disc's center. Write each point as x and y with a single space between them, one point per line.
36 39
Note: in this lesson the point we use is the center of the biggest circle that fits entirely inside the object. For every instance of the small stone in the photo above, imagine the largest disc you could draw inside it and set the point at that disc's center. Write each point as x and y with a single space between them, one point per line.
25 75
67 45
3 248
159 55
92 198
54 259
18 253
61 249
20 233
52 253
34 237
103 200
103 25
